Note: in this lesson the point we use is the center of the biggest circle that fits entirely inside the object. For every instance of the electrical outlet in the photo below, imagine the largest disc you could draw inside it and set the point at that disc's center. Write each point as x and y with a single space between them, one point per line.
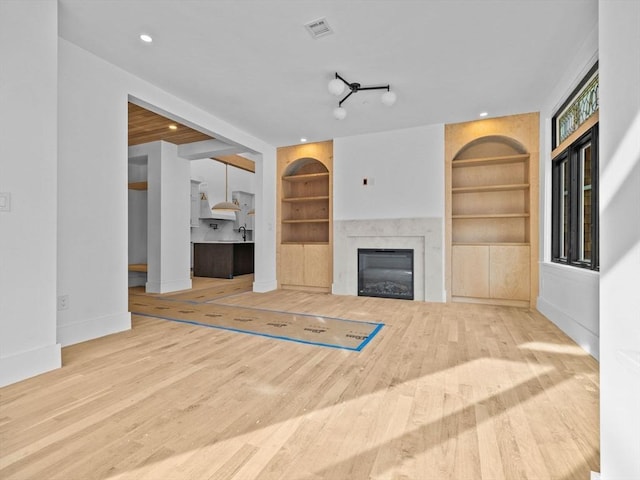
63 302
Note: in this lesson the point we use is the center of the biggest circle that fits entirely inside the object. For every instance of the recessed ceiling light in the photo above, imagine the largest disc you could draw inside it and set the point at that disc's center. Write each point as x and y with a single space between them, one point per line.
173 127
146 38
303 139
484 114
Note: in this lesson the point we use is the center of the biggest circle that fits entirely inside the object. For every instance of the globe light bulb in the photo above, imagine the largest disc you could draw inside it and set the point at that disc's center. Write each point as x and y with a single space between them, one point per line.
388 98
336 86
340 113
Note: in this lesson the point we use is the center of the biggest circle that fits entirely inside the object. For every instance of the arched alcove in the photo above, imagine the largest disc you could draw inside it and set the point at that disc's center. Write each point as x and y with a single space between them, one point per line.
305 202
304 213
492 210
490 146
306 165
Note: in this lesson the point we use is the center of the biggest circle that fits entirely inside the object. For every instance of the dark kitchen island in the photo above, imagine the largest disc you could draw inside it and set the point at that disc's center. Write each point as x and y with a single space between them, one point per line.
222 259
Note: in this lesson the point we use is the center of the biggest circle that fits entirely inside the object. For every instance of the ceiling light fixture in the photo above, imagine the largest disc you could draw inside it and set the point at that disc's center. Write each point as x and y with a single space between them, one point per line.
173 127
146 38
337 87
226 205
484 114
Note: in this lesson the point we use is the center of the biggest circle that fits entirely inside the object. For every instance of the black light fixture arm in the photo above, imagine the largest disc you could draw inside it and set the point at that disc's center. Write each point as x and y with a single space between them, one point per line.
356 87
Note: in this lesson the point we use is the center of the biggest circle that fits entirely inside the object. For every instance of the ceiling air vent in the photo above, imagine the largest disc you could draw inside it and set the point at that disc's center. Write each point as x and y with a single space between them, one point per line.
318 28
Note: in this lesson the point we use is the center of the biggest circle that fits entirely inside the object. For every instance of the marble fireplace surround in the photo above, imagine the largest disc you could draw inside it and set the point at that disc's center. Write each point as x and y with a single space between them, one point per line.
423 235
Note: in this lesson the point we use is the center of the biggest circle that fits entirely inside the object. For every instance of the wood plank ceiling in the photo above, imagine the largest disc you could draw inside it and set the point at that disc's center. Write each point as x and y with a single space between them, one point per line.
146 126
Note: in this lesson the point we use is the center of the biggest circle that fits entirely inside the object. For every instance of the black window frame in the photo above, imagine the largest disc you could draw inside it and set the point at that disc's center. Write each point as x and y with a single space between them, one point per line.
572 155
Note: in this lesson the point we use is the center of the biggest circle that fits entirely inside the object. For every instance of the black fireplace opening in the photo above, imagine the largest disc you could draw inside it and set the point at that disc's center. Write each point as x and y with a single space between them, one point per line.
386 273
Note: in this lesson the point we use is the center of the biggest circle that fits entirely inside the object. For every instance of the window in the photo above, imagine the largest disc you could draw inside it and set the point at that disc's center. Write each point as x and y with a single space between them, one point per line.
575 179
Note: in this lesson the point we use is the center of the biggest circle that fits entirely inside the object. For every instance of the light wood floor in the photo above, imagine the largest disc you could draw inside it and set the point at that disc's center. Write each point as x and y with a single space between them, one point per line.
444 391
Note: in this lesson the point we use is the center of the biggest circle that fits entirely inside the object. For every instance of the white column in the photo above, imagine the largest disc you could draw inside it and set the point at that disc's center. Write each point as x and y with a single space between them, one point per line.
28 181
168 219
264 222
619 239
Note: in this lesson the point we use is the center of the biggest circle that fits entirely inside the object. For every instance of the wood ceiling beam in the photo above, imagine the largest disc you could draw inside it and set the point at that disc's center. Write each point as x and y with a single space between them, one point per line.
207 149
237 161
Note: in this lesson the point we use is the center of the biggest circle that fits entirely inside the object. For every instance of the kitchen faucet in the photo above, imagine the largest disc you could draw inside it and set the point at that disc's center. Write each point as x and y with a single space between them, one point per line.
244 233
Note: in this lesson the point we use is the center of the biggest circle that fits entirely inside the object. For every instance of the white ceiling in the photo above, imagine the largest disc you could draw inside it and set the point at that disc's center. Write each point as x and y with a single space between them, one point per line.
253 64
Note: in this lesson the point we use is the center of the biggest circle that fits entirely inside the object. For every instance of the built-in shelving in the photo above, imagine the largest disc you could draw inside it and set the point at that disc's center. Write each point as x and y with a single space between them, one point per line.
493 215
304 216
305 203
491 188
490 160
306 199
491 210
307 220
138 267
513 244
322 176
138 185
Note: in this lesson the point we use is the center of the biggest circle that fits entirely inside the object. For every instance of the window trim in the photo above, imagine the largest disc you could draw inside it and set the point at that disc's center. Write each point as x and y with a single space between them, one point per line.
573 96
571 154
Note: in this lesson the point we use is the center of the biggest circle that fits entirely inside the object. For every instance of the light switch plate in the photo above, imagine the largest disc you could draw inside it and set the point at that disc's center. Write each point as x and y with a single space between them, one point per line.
5 202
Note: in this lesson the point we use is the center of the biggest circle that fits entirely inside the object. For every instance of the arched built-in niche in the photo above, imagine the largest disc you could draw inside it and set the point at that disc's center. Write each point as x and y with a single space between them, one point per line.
304 213
492 210
490 192
305 202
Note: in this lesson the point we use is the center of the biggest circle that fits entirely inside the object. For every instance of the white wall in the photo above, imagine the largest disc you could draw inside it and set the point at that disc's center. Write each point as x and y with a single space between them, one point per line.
212 175
568 296
401 207
59 100
620 239
28 111
93 176
407 170
92 179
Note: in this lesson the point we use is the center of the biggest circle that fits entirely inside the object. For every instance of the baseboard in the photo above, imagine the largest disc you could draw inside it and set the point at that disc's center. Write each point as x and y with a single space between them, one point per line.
28 364
265 286
77 332
167 287
578 333
305 288
492 301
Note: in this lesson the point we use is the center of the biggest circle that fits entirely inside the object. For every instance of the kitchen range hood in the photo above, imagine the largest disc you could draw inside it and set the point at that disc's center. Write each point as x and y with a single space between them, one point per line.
218 215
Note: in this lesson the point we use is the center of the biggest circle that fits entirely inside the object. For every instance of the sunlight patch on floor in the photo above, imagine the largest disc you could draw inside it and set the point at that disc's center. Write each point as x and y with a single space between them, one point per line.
562 349
380 419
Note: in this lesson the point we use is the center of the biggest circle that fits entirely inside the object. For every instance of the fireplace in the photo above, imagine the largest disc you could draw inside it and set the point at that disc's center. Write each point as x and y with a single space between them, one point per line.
385 273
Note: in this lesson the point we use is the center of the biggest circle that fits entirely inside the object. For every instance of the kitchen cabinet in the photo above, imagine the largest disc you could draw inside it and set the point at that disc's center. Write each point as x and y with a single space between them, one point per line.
222 259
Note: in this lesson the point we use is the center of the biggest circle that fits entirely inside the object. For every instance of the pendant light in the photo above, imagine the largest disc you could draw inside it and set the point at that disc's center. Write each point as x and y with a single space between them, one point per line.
226 205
